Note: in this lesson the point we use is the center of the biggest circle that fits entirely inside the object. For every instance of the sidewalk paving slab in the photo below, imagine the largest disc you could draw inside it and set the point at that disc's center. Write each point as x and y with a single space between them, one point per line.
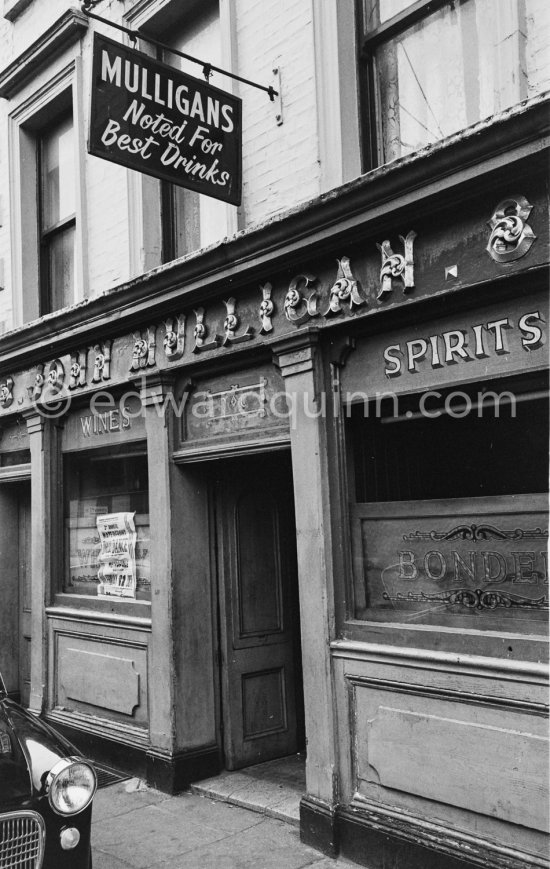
136 827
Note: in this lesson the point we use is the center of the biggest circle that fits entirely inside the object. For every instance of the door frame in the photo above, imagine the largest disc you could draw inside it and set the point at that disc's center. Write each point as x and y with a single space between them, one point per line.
218 608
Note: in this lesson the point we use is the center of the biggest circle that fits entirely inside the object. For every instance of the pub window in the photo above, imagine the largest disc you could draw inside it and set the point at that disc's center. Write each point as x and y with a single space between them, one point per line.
106 519
57 219
449 512
190 220
432 68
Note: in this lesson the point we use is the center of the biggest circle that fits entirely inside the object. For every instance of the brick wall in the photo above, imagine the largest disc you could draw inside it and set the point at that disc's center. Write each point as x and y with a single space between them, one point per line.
280 163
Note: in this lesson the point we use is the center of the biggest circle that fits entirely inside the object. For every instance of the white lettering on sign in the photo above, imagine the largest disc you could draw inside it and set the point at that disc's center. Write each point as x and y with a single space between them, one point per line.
102 423
160 89
463 345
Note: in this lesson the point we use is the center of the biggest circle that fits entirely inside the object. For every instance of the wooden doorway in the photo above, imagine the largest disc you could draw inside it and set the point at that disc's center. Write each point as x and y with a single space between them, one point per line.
259 626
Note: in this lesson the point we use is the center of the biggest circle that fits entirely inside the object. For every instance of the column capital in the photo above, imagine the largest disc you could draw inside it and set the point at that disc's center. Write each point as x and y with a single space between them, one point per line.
38 422
34 420
296 353
154 387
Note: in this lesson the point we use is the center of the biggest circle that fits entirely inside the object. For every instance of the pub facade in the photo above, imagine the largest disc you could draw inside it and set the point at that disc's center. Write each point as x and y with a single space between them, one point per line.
285 489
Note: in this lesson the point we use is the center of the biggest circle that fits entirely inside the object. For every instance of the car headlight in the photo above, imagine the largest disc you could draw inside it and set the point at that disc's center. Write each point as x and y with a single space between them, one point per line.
71 785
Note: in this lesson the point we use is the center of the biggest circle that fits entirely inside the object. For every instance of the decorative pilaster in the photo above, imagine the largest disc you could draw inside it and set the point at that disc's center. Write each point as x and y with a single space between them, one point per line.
181 686
299 360
46 542
154 393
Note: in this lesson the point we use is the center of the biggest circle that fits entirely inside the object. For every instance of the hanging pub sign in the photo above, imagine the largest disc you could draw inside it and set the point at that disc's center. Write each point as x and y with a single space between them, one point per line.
151 117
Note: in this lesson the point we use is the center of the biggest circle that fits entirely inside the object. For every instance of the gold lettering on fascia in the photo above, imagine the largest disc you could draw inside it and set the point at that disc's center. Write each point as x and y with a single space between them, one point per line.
464 345
104 423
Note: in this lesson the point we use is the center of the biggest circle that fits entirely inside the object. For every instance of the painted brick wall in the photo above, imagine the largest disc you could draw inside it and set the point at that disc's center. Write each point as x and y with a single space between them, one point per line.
280 164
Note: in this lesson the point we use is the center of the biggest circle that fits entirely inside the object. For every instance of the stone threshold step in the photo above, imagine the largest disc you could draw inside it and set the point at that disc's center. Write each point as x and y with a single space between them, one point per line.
273 788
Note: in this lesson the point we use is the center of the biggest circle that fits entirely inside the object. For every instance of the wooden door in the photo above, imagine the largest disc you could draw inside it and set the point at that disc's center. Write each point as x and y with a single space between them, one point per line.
259 622
24 564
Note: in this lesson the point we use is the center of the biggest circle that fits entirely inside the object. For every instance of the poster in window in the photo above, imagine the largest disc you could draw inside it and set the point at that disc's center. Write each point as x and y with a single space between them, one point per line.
117 557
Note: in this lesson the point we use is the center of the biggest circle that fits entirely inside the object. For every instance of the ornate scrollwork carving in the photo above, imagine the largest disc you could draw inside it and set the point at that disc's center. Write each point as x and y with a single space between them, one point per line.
200 334
396 266
56 376
344 289
477 599
237 402
6 392
35 389
511 236
102 361
267 309
174 338
478 533
298 309
231 324
77 371
143 354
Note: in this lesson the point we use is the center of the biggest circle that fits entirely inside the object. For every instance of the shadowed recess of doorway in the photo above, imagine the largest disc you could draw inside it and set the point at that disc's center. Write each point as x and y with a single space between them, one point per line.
273 788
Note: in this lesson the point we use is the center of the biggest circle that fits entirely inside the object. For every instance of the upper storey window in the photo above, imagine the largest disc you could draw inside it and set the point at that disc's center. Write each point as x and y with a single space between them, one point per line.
434 67
190 220
57 215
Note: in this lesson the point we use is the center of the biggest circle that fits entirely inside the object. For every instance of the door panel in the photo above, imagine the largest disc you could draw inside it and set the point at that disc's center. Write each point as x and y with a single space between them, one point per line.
261 672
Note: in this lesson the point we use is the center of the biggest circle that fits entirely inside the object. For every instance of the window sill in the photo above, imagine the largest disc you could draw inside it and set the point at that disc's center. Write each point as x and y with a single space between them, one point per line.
86 608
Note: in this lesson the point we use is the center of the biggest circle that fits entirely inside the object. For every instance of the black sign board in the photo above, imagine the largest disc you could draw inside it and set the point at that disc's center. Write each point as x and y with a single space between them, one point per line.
153 118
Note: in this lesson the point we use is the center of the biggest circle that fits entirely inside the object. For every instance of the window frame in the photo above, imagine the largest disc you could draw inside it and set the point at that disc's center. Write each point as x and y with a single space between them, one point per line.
488 640
62 92
372 145
47 235
368 42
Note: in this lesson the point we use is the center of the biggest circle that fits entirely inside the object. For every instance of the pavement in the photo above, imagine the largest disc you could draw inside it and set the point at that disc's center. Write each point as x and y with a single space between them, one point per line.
137 827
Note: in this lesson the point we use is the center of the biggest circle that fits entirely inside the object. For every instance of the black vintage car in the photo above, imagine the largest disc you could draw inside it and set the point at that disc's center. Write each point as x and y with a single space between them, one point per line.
46 793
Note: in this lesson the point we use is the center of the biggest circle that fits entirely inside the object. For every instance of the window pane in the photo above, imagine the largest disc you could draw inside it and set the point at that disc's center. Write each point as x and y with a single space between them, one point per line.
58 174
99 485
377 12
449 516
186 216
198 220
61 268
458 66
448 457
